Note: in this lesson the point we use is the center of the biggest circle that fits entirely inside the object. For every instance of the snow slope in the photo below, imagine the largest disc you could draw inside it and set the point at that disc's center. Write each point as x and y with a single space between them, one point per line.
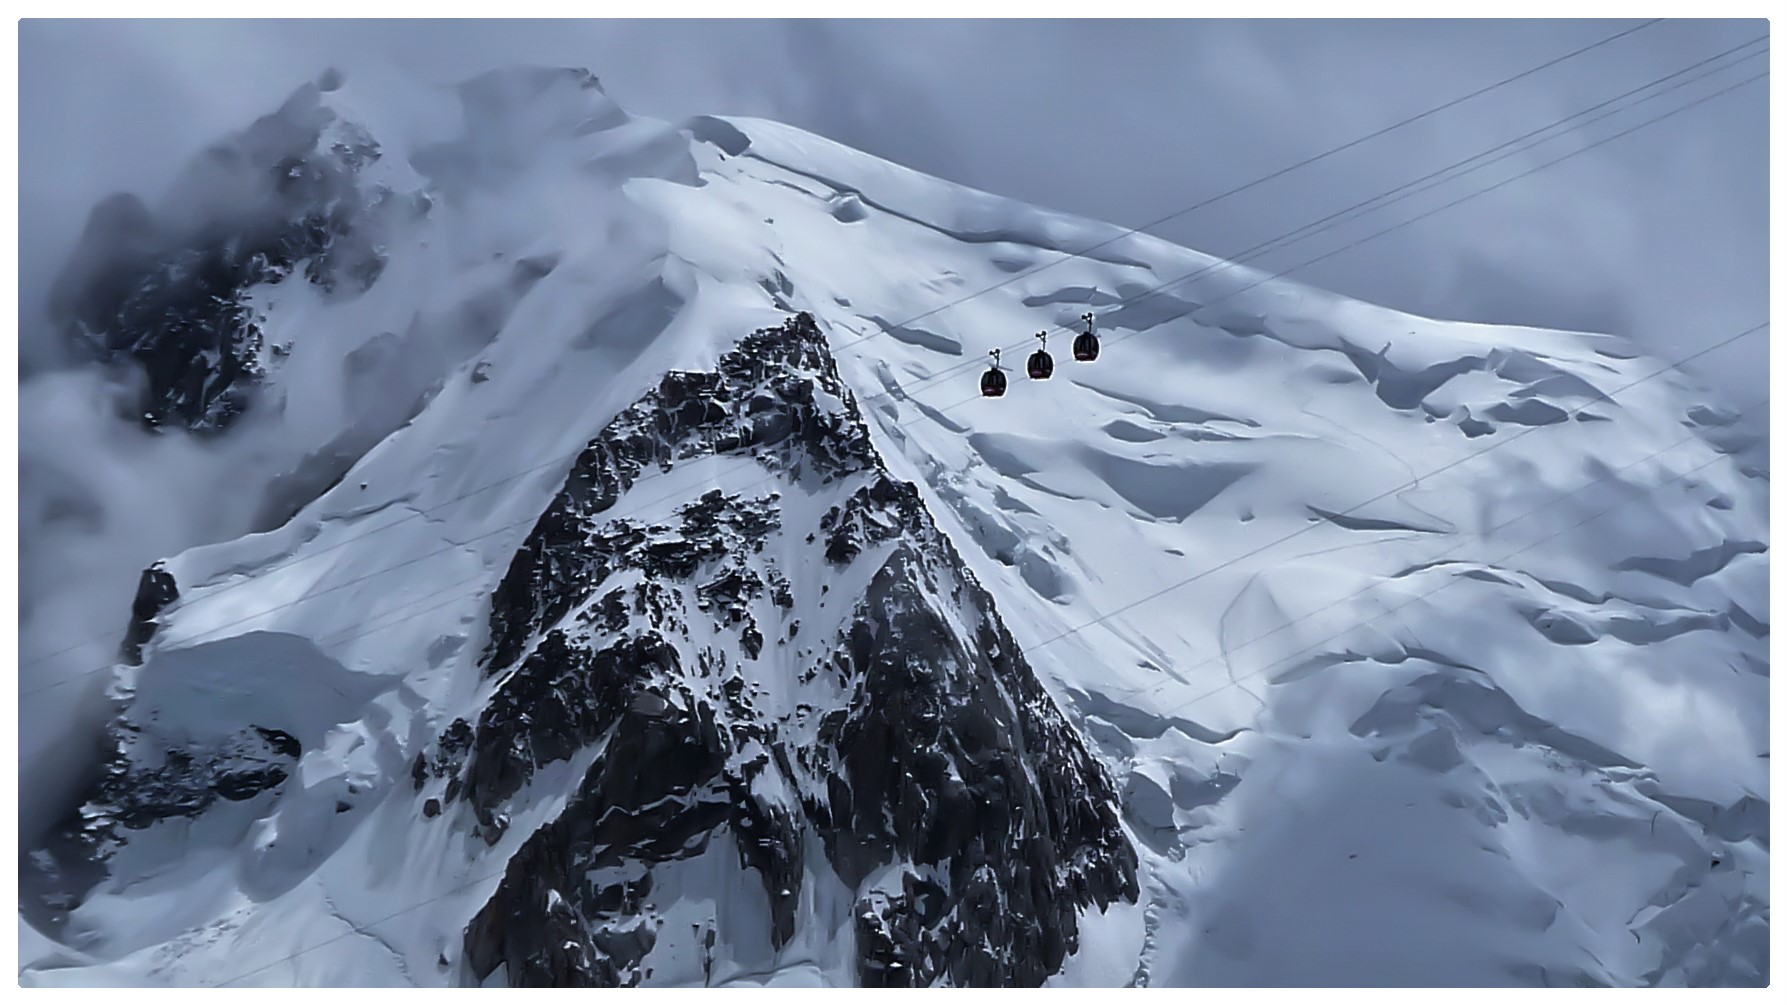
1418 652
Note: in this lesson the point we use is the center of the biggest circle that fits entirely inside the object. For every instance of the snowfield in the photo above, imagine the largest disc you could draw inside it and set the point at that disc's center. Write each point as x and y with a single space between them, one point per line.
1415 652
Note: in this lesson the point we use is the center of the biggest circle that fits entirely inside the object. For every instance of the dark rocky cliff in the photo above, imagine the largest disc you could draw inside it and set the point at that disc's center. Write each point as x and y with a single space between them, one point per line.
668 657
168 290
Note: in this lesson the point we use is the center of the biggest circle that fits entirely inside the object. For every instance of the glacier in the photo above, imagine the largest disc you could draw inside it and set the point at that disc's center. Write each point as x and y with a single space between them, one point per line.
642 593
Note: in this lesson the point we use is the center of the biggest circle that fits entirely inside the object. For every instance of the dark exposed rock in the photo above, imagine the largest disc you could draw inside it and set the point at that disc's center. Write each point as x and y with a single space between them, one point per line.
929 763
149 774
932 746
183 781
449 754
874 513
590 935
155 591
894 945
169 291
689 414
559 702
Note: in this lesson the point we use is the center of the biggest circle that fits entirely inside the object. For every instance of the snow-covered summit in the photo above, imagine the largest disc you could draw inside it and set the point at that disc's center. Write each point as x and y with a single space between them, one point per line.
596 632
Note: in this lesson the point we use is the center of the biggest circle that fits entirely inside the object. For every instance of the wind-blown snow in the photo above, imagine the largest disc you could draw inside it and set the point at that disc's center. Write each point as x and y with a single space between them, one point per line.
1504 725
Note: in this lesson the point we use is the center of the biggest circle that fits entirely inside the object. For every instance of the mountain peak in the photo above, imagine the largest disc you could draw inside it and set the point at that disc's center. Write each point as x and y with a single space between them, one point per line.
644 593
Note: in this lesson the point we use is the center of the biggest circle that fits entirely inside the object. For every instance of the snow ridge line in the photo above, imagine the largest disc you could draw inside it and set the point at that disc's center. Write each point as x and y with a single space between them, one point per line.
1292 236
1196 273
1605 396
1281 172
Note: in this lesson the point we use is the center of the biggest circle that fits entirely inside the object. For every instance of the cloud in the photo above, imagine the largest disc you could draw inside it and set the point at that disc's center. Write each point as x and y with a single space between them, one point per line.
1122 121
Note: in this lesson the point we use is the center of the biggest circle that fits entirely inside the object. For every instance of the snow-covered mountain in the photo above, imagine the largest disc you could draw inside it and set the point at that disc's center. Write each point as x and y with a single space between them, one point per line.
651 597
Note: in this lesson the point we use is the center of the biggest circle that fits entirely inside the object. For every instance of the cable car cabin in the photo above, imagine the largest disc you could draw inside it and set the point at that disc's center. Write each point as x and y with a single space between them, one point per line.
1085 344
992 383
1040 364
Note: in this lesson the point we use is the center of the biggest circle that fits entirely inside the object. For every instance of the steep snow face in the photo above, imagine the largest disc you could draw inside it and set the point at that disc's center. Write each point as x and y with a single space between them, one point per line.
1428 653
1370 649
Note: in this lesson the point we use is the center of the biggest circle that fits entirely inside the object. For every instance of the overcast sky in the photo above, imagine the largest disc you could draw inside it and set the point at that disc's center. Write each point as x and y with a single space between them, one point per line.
1662 234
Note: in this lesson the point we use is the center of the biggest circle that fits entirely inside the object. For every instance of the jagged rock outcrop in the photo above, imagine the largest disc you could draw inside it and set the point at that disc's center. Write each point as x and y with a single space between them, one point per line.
946 789
183 781
170 291
148 778
156 590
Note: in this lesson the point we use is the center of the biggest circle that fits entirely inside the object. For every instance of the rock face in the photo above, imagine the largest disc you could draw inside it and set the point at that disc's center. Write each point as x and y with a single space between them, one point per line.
910 746
171 290
155 591
153 775
143 786
149 775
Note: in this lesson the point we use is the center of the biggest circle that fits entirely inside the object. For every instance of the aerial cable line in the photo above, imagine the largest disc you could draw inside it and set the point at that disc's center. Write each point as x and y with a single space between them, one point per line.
1451 551
1400 193
1602 396
1281 172
861 402
1444 106
1156 326
363 929
1235 682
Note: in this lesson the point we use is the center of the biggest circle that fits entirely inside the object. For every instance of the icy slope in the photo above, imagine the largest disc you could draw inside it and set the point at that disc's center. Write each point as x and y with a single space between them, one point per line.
1503 724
